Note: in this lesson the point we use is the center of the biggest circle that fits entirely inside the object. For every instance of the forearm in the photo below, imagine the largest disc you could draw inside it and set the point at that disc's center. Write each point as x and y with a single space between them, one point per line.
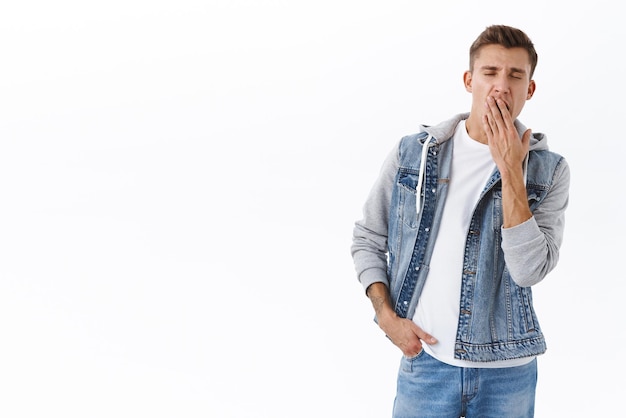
378 293
531 248
515 209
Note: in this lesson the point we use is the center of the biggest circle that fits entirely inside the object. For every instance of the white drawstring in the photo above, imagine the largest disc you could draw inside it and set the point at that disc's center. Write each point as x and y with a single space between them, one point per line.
420 178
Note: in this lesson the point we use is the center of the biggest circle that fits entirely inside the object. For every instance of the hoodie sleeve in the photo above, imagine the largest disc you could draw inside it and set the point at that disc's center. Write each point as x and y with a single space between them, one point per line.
531 249
369 240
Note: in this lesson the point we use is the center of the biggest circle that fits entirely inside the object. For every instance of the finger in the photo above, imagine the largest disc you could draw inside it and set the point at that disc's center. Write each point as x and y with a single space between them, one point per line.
424 336
526 139
494 107
505 114
493 115
413 349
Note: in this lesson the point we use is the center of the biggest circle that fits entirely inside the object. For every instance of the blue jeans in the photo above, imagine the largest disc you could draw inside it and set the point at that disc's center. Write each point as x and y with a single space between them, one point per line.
428 388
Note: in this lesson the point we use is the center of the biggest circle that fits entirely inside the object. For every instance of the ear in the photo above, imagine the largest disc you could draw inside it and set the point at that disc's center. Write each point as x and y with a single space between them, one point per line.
467 81
531 89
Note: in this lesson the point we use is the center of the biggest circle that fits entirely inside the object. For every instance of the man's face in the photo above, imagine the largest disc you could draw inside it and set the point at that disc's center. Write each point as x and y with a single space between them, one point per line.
503 74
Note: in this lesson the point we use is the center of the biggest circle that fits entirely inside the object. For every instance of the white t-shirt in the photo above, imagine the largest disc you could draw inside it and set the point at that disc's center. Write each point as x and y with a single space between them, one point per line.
438 308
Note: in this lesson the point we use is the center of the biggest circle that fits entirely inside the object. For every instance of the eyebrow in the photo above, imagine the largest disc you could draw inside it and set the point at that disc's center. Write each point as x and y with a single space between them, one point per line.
494 68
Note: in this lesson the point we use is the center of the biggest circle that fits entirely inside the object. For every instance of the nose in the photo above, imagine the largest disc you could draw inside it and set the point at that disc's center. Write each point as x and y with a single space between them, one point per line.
501 85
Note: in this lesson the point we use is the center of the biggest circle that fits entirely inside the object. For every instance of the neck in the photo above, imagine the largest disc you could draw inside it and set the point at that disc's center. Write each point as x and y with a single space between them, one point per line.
475 130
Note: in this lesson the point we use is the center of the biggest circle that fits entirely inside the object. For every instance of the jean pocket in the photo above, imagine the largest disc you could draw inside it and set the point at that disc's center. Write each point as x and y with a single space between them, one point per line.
419 354
408 362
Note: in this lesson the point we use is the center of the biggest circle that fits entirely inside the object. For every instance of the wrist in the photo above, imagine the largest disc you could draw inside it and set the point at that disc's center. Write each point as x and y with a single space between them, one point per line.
386 317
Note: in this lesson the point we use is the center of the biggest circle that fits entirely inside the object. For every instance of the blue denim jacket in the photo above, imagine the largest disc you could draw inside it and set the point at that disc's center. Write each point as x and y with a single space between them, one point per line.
394 240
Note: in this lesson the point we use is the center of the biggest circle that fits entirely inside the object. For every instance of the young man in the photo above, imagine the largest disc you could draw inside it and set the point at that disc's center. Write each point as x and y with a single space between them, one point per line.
464 218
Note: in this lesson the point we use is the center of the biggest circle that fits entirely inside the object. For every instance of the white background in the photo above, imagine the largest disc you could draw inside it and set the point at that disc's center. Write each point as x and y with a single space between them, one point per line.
179 181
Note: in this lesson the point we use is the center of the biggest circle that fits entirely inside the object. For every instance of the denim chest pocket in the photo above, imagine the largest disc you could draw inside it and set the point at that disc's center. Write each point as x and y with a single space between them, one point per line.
407 196
535 195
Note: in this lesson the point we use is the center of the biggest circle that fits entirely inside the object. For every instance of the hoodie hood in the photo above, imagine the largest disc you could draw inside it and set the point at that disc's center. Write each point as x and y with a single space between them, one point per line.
442 132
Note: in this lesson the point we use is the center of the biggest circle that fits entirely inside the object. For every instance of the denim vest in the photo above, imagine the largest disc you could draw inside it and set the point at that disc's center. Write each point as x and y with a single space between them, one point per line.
497 320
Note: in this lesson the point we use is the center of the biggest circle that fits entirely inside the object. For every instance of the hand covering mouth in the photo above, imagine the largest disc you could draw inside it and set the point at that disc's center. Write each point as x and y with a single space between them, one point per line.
504 101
